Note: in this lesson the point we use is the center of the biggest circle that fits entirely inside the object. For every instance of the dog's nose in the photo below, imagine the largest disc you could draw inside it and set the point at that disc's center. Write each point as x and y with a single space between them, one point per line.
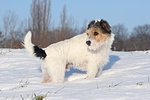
88 43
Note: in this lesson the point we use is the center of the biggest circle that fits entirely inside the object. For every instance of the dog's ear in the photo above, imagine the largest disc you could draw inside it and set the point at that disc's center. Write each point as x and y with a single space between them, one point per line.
91 24
105 26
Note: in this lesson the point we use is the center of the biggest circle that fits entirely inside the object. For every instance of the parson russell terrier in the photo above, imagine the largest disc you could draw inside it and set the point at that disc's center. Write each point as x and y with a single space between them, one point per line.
87 52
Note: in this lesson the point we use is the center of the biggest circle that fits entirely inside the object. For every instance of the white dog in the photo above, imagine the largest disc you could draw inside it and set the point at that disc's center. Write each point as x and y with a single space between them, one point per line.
87 52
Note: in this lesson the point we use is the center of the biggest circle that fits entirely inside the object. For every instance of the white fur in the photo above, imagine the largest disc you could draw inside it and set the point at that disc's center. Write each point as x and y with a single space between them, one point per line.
72 51
97 20
27 43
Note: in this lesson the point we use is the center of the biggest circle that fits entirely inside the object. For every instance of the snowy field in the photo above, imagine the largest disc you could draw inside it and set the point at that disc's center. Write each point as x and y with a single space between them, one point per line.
125 77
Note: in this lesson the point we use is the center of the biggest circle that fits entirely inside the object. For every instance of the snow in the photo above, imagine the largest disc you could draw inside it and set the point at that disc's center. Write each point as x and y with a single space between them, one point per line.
125 77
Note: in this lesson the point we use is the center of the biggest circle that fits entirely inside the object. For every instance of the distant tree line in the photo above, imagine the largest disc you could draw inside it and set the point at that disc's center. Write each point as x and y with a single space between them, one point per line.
138 39
45 32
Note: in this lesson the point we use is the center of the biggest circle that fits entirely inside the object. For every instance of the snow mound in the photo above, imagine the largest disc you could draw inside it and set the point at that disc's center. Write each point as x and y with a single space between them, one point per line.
125 77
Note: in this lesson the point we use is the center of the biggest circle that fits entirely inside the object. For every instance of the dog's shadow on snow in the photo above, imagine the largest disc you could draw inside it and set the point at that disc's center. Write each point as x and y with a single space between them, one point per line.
69 73
73 71
112 60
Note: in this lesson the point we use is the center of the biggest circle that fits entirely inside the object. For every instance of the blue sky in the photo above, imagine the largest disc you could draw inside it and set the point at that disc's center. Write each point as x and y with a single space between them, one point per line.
131 13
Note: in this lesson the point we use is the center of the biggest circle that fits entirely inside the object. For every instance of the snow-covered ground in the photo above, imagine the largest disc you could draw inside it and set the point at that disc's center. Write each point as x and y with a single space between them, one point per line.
125 77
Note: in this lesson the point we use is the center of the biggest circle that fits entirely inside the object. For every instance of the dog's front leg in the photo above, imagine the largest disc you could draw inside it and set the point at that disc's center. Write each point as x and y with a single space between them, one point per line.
99 71
91 70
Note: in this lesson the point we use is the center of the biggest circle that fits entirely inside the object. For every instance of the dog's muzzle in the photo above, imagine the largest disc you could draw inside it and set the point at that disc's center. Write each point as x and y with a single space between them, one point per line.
88 43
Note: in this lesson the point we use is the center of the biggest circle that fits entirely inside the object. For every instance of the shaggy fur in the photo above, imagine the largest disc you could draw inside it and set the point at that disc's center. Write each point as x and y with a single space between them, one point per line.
87 52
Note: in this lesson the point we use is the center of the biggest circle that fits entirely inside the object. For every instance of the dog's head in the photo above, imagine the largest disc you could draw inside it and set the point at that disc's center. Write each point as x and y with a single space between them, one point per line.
98 32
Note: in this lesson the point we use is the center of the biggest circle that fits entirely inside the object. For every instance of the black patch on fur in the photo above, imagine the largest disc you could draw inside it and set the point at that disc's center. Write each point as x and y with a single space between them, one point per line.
39 52
103 25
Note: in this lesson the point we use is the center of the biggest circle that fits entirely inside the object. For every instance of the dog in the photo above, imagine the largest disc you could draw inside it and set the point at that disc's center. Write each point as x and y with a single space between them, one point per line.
88 52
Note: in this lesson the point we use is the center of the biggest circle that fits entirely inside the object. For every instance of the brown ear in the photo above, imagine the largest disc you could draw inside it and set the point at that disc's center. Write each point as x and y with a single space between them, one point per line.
91 24
106 27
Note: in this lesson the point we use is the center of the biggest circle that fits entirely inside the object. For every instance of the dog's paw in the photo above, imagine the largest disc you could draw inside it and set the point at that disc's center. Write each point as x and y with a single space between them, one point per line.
46 81
86 77
89 77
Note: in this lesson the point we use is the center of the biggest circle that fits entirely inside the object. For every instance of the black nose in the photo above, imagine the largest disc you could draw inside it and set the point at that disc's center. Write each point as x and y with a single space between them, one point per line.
88 43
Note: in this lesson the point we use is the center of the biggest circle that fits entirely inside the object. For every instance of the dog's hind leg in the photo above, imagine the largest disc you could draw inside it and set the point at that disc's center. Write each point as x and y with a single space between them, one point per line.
56 69
46 77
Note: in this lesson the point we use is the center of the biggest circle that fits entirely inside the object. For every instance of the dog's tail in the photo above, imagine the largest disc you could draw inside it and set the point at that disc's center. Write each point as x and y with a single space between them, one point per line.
33 49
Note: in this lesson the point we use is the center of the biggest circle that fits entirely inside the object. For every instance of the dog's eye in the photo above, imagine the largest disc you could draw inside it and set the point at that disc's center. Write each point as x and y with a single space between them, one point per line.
87 34
95 33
